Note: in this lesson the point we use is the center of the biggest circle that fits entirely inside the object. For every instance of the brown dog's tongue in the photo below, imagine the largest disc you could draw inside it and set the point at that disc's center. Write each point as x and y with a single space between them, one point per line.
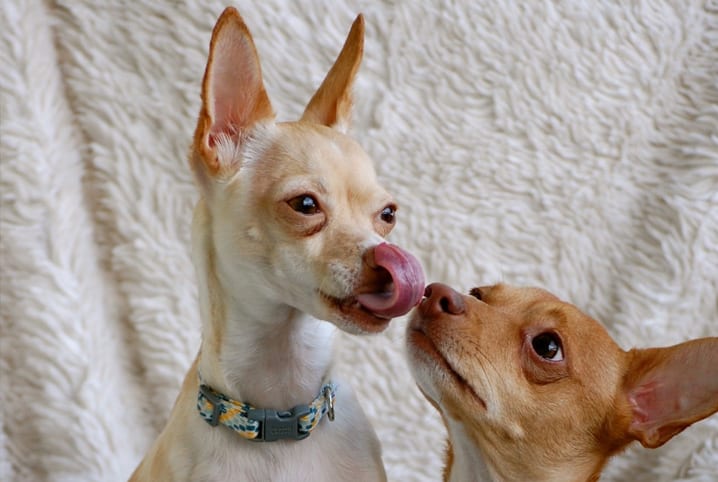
407 283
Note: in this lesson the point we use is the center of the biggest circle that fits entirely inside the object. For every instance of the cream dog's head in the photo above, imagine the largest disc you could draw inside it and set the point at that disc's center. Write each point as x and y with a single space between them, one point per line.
293 211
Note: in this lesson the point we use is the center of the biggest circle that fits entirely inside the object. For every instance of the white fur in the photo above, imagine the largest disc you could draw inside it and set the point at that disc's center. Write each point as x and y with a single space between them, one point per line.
467 466
570 145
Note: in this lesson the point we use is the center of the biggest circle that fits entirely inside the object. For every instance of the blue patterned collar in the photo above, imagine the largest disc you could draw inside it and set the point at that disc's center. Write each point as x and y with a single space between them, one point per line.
265 425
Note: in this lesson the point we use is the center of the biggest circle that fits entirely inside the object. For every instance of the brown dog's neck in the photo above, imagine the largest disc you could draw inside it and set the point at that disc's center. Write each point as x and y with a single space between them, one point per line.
464 464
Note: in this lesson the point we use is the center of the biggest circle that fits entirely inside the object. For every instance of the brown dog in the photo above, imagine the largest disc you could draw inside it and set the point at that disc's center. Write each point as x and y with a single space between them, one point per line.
531 388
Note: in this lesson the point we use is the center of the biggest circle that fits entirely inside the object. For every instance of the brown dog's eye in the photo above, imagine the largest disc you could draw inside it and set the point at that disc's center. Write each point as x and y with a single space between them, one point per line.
388 214
476 293
304 204
548 346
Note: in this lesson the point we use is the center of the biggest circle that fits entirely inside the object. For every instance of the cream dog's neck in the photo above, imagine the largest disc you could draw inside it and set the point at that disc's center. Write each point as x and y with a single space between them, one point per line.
255 349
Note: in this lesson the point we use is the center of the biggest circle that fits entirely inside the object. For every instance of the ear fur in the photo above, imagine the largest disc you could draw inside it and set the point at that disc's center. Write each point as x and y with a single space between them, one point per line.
671 388
233 93
332 103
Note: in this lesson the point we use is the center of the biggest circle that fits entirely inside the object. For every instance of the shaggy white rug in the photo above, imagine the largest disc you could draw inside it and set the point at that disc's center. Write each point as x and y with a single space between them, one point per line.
571 144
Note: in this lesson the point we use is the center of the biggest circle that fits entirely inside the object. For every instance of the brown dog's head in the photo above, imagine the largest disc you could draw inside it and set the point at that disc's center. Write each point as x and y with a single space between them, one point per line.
536 385
291 212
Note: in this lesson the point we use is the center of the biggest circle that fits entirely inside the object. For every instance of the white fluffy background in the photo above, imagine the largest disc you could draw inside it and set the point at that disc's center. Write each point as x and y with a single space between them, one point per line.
568 144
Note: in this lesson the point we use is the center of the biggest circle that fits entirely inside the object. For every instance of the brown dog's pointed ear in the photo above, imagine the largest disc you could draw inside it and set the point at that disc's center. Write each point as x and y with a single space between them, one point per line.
233 94
671 388
332 103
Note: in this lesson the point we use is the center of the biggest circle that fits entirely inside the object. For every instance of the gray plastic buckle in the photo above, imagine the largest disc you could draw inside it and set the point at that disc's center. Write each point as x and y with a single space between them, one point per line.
216 402
276 425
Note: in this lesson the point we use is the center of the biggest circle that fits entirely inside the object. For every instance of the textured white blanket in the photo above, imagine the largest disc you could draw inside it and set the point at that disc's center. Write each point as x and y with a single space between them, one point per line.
568 144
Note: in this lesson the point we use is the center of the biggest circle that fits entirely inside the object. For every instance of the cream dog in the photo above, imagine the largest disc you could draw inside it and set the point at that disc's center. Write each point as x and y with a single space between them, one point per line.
289 231
530 388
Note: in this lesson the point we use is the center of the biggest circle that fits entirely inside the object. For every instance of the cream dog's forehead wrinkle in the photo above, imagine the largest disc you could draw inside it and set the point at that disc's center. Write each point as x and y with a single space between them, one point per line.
298 149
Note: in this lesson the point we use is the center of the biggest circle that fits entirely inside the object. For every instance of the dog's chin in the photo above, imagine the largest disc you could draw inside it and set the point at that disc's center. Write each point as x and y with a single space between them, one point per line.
350 316
435 375
425 374
430 369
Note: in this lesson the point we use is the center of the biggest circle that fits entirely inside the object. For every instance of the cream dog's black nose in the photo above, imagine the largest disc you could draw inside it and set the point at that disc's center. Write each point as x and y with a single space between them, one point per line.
440 299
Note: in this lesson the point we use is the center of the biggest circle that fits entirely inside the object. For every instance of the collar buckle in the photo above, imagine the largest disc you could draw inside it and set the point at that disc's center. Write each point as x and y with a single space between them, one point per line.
279 424
216 404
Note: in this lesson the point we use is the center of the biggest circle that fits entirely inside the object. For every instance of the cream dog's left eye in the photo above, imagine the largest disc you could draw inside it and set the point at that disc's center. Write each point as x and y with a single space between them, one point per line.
548 346
388 214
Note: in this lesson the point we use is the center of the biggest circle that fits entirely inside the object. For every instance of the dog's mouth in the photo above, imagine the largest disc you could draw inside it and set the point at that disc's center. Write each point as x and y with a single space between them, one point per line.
354 317
398 284
392 287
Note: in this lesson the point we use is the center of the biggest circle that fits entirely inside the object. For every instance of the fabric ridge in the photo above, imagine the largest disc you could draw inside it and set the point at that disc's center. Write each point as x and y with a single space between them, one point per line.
571 145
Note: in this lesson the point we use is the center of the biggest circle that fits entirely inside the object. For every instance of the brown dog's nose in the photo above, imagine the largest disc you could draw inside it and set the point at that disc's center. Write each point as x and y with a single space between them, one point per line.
440 299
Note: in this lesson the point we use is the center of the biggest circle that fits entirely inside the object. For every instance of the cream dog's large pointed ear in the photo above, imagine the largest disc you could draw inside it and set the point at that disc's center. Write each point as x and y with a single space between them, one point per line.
332 103
233 94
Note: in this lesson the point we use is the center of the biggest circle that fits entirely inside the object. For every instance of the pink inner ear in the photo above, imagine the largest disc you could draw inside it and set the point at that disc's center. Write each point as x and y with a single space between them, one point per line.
650 401
232 85
679 388
236 98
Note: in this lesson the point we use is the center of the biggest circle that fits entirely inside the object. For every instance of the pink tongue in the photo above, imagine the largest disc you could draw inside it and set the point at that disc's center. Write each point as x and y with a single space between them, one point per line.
407 279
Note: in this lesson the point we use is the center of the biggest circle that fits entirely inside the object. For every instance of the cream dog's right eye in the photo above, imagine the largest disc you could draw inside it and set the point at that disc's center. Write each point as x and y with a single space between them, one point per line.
305 204
388 214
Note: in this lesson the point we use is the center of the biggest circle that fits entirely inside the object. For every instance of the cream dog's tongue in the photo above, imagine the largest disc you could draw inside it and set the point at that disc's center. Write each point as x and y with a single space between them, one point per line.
407 279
